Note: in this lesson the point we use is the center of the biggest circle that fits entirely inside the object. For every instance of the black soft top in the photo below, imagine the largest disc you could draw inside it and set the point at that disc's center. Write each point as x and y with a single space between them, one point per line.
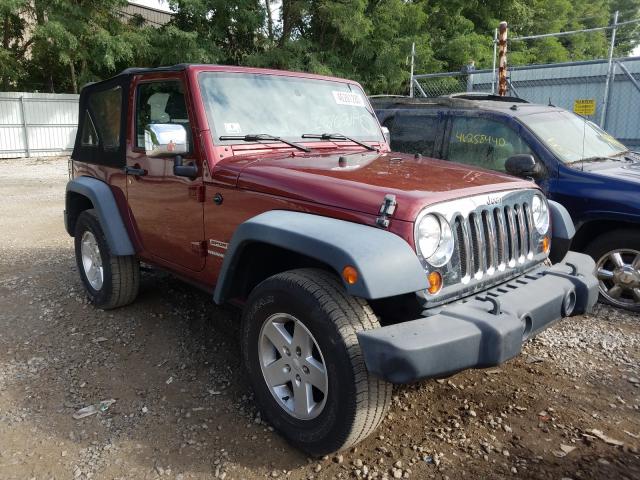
90 117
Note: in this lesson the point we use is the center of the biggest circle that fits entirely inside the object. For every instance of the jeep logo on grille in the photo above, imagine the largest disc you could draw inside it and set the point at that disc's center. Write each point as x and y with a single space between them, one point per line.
493 200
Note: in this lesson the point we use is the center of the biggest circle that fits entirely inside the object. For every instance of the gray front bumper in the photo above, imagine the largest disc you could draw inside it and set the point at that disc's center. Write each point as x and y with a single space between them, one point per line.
483 330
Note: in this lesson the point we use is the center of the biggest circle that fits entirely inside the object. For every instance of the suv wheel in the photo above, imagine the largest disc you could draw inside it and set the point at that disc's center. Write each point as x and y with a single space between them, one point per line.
110 281
617 256
304 361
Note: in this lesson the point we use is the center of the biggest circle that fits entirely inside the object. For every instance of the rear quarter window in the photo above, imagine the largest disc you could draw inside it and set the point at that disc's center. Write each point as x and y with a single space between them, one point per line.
102 120
105 111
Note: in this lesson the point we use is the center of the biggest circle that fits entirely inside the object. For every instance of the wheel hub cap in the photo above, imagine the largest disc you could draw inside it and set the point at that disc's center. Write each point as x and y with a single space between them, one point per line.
619 276
626 276
292 366
91 260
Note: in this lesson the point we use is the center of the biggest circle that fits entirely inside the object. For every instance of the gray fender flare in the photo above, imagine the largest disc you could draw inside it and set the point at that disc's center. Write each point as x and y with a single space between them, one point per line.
562 231
386 264
561 222
105 206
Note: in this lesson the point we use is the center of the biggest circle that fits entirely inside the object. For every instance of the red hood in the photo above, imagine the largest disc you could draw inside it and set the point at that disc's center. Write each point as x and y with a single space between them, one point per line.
363 179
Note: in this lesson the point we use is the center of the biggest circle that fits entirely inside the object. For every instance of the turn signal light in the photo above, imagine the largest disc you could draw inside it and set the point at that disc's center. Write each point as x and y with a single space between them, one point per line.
546 244
435 282
350 275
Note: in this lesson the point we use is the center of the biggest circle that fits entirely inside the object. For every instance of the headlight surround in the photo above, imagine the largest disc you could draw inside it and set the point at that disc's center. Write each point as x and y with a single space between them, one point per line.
434 239
540 214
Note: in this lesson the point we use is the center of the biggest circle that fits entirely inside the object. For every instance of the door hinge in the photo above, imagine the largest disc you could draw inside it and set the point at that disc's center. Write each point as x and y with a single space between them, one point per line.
197 193
387 209
199 248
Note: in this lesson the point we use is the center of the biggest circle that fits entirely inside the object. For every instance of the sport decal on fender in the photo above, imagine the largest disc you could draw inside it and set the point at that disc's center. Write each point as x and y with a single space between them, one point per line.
217 244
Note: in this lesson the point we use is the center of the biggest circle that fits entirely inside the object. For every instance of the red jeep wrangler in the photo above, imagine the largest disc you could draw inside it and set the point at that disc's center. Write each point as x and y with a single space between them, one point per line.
355 267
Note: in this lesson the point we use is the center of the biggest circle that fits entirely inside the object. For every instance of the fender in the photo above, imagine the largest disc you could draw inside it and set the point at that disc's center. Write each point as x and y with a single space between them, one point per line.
562 231
105 206
386 264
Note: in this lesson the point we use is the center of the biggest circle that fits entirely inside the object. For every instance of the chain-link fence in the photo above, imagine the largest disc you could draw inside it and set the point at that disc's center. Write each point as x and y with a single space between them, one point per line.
575 86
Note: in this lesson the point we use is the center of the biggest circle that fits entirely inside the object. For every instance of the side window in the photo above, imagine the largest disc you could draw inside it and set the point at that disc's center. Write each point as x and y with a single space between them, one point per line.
102 121
414 133
160 102
483 142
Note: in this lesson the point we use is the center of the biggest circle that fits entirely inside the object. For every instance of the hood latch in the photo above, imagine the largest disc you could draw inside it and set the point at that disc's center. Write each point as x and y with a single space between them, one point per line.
387 209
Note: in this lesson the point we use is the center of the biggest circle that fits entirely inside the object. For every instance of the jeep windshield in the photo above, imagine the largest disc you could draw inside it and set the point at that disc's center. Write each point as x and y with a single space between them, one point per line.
571 137
239 104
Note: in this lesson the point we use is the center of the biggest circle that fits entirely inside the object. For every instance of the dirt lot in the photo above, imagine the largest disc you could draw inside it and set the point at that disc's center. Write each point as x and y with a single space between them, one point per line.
567 408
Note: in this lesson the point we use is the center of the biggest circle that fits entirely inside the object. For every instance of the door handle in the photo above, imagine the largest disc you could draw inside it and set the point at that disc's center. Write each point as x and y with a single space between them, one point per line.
136 170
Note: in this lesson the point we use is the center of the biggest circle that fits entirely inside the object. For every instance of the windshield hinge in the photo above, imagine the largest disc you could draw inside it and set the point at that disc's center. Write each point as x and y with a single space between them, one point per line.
199 248
387 209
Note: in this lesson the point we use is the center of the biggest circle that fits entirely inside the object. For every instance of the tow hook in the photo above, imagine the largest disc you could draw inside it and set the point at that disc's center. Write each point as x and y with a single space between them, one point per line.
387 209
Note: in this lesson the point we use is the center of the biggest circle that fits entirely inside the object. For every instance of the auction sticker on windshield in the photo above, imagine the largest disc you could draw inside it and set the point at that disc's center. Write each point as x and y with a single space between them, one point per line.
348 98
232 127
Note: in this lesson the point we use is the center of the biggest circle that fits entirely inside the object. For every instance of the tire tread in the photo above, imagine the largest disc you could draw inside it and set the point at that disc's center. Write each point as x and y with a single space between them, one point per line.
350 315
125 270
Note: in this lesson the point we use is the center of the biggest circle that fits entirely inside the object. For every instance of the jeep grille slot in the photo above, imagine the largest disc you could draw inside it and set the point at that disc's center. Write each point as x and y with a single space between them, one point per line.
475 242
489 239
501 240
461 245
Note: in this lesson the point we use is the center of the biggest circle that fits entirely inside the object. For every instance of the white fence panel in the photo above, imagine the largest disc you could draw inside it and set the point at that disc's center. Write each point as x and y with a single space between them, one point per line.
37 124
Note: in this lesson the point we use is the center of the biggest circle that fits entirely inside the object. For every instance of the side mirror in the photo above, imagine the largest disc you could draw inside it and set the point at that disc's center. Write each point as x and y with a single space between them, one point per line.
524 165
165 140
182 170
386 134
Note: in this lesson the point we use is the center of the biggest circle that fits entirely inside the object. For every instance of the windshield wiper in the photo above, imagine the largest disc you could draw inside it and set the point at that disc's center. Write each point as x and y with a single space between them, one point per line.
337 136
259 137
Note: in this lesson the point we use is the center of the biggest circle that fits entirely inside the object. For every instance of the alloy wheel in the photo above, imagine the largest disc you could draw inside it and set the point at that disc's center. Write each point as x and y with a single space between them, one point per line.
91 260
619 276
293 366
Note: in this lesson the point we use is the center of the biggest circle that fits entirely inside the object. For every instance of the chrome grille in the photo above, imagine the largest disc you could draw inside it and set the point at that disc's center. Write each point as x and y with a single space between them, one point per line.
493 238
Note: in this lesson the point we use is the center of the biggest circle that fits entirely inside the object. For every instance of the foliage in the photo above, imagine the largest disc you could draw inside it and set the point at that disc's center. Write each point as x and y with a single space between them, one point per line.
57 45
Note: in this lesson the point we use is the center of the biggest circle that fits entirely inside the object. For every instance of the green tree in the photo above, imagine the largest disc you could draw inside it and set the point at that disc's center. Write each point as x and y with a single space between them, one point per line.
89 38
14 47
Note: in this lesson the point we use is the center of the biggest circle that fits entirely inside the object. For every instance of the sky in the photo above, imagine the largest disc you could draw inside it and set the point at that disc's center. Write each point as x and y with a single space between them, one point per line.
164 5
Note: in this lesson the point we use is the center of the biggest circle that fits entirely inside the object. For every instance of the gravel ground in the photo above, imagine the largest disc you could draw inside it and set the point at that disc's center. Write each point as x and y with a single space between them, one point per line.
567 408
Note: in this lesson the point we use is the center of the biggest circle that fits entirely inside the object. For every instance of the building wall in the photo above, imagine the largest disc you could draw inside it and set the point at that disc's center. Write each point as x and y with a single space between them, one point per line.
151 16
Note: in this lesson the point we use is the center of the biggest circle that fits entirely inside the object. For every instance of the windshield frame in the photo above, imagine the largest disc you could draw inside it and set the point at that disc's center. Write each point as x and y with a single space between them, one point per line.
589 124
213 126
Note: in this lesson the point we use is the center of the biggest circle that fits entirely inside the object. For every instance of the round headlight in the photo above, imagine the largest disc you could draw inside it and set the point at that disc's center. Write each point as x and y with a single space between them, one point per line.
429 233
540 213
434 239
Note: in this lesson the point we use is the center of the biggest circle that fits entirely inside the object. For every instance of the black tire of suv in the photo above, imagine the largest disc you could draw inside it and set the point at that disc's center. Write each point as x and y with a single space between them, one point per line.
121 273
357 401
608 242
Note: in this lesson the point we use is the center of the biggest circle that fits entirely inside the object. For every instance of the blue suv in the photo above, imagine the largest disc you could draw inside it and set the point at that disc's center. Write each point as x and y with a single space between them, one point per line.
574 162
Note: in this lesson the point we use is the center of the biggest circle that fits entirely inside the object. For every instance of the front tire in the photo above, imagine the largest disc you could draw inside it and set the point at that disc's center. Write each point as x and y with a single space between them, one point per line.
304 361
617 257
110 281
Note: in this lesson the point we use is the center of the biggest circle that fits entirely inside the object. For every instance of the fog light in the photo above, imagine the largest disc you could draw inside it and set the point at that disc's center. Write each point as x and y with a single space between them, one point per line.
350 275
435 282
546 244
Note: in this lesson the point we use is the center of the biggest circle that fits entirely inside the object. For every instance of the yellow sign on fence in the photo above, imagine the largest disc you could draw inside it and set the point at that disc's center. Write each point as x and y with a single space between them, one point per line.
585 106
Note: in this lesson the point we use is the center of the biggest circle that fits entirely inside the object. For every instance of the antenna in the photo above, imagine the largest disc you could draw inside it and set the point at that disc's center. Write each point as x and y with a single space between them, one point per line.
413 56
584 134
